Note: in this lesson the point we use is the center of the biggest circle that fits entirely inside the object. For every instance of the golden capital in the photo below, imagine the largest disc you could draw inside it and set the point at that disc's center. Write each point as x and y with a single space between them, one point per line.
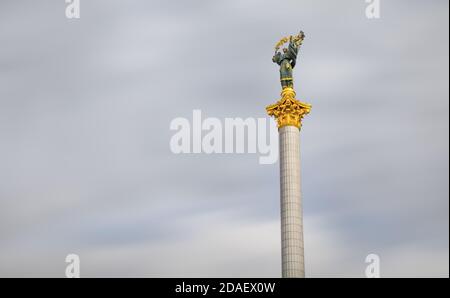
288 111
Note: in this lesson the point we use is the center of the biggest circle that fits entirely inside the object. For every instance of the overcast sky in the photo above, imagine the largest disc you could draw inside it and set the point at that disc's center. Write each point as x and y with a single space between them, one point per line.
85 162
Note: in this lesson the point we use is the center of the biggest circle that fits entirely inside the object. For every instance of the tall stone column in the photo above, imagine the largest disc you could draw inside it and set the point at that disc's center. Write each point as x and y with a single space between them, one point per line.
289 112
291 205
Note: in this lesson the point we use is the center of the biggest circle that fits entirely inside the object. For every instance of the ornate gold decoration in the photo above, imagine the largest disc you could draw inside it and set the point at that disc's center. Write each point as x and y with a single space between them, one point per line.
288 111
298 40
281 43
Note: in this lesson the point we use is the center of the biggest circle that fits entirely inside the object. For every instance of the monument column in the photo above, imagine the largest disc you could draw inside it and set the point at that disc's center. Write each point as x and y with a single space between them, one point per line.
290 200
289 112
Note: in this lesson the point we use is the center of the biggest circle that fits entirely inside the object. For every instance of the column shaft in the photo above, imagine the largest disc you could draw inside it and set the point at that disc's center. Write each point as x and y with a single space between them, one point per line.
291 203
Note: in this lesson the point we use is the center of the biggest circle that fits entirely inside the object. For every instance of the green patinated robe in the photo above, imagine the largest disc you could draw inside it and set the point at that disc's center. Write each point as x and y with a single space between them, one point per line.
287 62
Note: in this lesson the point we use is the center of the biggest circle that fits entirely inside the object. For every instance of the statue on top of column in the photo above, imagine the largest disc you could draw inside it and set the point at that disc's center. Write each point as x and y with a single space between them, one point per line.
287 58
